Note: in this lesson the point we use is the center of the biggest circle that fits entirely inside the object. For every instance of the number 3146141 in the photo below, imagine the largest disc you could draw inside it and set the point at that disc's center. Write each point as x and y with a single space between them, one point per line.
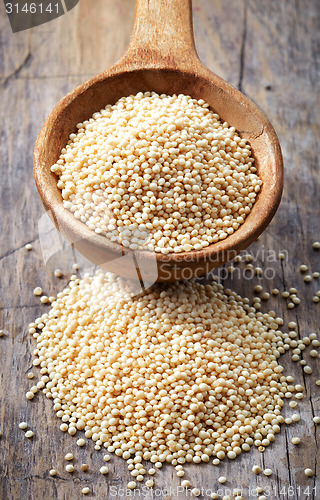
32 8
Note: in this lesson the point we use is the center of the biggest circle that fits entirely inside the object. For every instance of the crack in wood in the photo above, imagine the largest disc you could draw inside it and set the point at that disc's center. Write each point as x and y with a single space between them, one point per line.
17 70
243 46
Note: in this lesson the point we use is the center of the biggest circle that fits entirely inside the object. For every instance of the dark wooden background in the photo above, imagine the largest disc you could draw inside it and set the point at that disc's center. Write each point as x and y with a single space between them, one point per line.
270 50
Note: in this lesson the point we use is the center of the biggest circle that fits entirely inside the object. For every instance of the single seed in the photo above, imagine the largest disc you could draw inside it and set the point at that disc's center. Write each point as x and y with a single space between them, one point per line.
81 442
292 325
131 485
28 246
281 256
23 425
307 369
258 288
308 472
195 492
315 275
58 273
265 296
275 291
313 353
30 375
84 467
303 268
316 299
104 469
37 291
295 440
69 468
267 472
295 417
316 245
29 434
316 420
85 490
149 483
53 472
106 458
75 266
256 469
30 395
68 456
222 479
285 295
307 278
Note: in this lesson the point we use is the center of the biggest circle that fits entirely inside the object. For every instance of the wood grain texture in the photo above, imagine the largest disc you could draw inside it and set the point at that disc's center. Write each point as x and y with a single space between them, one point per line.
271 51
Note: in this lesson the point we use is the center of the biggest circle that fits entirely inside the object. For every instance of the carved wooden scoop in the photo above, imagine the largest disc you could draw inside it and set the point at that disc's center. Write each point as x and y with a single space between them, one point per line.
161 57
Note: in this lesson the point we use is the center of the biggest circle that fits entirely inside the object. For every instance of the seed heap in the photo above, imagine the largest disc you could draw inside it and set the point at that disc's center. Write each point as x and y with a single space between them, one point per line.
178 374
158 171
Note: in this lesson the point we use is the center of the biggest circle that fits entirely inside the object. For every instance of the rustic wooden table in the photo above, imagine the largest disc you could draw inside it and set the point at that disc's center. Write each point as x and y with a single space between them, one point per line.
270 50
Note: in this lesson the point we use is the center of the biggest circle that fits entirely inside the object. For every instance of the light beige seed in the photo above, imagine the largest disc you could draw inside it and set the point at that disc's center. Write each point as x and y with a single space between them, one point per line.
267 472
37 291
307 369
23 425
29 434
104 469
295 440
68 456
309 472
85 490
69 468
222 479
53 472
256 469
195 492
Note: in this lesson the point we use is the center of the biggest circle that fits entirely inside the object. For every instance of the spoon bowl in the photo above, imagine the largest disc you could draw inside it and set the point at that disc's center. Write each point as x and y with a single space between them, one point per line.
158 61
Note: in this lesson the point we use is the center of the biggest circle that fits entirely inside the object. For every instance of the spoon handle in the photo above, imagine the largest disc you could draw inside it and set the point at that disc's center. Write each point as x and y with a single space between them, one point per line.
162 35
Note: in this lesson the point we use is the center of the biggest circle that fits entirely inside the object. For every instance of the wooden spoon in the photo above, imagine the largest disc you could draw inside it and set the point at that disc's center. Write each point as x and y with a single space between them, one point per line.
161 57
